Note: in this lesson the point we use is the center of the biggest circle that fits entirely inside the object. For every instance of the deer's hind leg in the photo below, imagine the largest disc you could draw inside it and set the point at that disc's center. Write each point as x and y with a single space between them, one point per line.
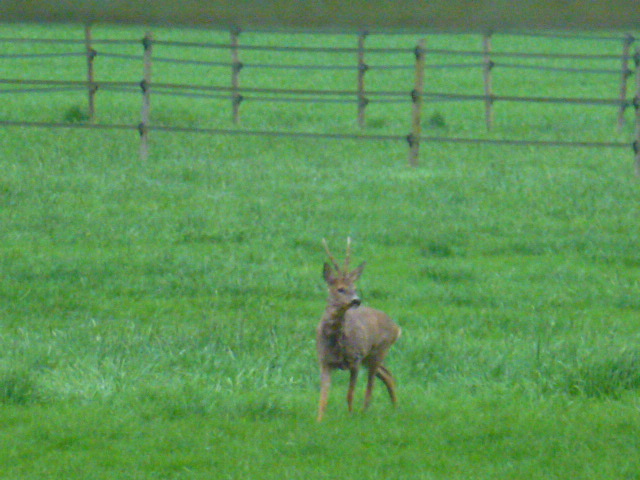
385 375
371 376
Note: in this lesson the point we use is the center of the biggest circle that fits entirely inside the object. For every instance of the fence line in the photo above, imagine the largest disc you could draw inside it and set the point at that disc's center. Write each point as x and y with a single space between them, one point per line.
572 36
334 50
311 135
361 96
40 55
42 90
67 41
405 95
567 36
520 66
534 55
315 67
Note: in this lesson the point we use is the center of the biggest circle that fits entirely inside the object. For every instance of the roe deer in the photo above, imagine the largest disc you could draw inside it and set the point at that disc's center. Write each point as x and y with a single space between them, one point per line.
349 335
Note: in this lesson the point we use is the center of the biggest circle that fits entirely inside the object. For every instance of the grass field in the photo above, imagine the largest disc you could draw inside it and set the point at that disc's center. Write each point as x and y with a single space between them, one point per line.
157 317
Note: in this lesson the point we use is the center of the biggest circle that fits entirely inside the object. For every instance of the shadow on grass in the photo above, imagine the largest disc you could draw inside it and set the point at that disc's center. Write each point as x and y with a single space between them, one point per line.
18 387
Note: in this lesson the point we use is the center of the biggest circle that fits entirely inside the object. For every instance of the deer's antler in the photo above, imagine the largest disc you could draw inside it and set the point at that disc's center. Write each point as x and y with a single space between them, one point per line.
331 257
347 259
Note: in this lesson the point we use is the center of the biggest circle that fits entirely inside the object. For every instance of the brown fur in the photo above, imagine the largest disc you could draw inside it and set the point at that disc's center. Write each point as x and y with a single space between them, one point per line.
350 336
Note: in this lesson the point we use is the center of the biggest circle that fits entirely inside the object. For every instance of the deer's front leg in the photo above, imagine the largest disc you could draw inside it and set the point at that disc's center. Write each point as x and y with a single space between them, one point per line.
325 383
353 378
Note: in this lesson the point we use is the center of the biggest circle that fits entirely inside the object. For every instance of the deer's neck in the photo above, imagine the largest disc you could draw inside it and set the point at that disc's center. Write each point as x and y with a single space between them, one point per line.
334 318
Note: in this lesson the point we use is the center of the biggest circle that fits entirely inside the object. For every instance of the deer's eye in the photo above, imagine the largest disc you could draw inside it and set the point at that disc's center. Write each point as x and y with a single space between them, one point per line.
342 290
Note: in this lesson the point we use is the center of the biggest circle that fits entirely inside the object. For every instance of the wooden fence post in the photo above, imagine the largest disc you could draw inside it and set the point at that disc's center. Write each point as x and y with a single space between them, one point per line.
362 69
636 105
625 74
236 66
487 66
145 85
416 107
92 88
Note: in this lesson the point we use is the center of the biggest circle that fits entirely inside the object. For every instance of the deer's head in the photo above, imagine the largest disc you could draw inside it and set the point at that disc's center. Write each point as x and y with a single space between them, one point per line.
341 281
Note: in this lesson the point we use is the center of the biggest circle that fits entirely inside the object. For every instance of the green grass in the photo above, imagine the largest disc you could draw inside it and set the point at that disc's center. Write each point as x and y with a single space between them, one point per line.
157 317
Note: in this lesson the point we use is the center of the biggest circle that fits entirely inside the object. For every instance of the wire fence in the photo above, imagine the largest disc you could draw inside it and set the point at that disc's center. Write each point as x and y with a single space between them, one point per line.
414 94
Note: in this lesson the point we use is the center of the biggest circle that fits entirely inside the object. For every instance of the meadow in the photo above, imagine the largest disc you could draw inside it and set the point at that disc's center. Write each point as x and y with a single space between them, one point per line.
157 316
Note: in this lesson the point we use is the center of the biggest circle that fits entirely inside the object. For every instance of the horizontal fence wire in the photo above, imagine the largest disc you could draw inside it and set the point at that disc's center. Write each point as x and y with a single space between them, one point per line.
79 126
556 69
130 90
120 56
518 99
443 66
204 63
336 50
393 51
209 96
527 143
311 135
177 61
299 100
536 55
313 92
572 36
453 65
558 35
9 56
13 91
212 88
267 48
69 41
58 41
272 66
252 98
68 83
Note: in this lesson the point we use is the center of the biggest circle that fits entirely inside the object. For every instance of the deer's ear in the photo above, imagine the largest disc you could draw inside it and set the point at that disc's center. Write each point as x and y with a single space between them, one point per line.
327 273
355 275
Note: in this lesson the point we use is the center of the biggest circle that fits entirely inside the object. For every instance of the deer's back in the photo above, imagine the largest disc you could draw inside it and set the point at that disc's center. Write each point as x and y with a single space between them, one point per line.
370 329
366 333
